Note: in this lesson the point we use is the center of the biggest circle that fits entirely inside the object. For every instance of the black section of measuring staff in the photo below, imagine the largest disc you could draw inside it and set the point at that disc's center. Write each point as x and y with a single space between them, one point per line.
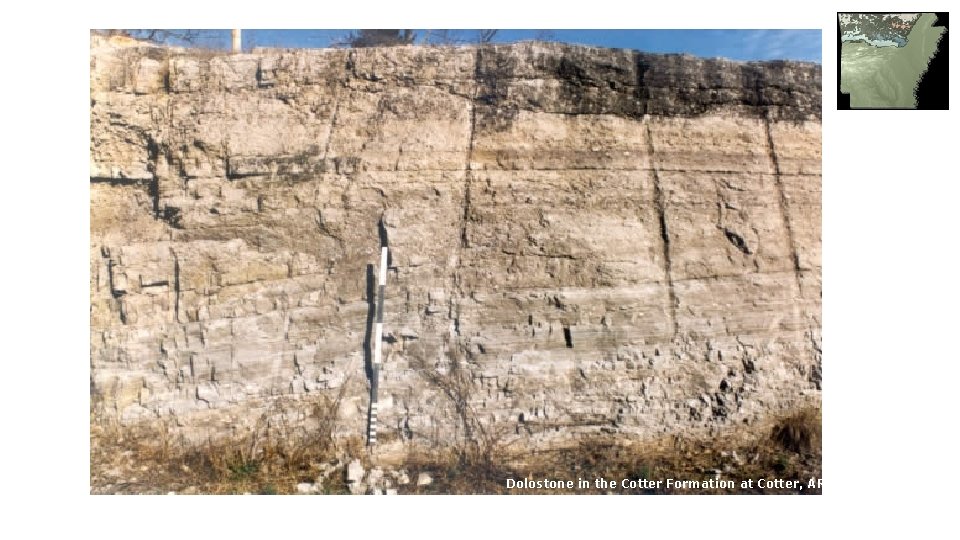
380 304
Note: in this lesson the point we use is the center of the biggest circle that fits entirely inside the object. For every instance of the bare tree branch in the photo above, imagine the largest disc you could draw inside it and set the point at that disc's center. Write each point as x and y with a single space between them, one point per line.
486 36
163 36
545 35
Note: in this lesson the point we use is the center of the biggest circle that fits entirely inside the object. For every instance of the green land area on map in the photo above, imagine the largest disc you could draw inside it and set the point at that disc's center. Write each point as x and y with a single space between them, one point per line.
887 76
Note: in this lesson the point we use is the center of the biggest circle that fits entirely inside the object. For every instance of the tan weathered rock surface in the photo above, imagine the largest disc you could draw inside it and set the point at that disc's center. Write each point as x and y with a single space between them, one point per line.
605 239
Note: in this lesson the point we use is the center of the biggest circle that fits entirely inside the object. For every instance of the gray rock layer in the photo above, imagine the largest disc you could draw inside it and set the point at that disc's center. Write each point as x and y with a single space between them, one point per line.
582 239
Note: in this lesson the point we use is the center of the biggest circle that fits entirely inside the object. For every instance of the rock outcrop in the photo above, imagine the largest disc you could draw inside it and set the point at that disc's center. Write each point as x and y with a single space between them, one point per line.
582 239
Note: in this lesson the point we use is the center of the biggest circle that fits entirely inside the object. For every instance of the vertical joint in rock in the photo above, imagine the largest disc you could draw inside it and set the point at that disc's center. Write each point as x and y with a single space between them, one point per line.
176 287
154 155
473 130
664 233
782 199
641 92
333 124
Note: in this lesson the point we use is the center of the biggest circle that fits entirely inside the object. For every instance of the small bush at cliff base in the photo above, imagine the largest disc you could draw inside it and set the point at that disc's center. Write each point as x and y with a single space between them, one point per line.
800 432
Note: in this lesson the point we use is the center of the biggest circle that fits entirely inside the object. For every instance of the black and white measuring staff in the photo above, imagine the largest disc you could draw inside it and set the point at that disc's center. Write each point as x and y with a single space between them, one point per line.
377 348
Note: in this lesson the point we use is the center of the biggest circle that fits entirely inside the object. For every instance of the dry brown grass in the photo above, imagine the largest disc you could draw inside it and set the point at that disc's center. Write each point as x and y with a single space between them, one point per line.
788 450
274 459
483 467
799 432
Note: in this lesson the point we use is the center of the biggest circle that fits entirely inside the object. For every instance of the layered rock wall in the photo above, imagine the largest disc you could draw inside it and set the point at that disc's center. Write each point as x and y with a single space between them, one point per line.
581 239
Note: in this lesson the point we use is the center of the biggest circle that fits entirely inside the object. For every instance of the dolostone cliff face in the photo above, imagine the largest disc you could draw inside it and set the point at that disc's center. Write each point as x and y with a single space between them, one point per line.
582 240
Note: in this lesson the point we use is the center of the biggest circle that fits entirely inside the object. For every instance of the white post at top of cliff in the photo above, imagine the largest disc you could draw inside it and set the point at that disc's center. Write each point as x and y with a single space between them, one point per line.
235 38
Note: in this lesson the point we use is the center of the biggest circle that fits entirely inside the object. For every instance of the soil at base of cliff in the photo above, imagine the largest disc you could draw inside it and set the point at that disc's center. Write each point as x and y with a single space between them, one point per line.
142 461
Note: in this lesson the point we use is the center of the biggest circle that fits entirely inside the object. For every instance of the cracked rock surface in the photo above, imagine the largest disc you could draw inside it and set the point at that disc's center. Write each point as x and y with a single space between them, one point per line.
589 239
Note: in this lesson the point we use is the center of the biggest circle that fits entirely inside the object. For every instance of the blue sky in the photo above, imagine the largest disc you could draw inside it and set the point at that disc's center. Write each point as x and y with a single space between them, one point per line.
732 44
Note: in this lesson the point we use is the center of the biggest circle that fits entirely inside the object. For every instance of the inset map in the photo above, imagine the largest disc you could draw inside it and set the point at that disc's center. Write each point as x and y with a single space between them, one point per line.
892 60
